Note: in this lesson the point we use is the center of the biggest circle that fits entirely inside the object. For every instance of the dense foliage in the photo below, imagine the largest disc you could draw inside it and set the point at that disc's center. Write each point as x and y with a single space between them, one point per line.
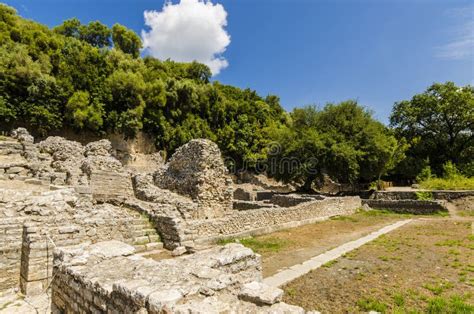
92 79
342 140
439 125
452 179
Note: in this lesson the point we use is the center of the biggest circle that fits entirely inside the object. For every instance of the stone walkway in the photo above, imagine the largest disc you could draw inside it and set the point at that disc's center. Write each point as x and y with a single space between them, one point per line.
295 271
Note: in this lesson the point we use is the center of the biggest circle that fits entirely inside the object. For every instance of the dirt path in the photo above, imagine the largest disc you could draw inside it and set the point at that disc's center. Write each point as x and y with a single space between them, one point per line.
302 243
298 270
425 265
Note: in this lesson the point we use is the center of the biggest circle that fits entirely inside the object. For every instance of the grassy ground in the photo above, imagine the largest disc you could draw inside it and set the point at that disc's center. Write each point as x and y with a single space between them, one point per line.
288 247
426 266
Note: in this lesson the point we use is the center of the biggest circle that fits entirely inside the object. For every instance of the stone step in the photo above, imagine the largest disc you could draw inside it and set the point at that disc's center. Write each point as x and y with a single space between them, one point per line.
154 238
154 246
144 233
143 225
140 248
142 240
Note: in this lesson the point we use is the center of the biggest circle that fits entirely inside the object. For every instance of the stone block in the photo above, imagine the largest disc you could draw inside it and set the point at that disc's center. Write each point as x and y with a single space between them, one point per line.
14 170
260 293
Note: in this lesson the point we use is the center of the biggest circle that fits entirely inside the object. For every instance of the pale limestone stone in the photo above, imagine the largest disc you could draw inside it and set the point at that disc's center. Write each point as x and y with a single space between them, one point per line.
180 250
159 299
109 249
260 293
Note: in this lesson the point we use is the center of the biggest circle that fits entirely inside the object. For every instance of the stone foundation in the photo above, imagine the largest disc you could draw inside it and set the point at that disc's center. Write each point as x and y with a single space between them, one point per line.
107 277
408 206
411 195
265 220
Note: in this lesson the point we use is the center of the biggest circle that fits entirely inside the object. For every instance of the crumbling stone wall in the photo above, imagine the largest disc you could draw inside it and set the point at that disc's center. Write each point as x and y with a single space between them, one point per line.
197 170
63 162
107 277
34 223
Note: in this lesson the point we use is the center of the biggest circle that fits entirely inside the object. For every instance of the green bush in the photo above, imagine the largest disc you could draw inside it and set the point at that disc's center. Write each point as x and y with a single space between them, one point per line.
452 180
424 196
425 174
460 183
450 171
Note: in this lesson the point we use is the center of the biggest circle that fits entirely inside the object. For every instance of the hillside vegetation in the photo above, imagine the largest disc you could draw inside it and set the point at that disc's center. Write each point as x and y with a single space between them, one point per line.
91 78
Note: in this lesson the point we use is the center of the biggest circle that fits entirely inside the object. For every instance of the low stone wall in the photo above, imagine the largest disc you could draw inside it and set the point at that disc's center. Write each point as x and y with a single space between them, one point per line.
246 205
411 195
246 195
266 220
108 278
408 206
289 200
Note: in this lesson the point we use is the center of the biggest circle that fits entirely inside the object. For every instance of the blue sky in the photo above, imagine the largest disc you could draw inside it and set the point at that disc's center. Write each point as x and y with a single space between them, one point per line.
313 52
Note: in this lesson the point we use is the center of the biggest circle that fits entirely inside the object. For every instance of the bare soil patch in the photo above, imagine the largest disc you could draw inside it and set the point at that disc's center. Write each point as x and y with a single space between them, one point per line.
425 266
288 247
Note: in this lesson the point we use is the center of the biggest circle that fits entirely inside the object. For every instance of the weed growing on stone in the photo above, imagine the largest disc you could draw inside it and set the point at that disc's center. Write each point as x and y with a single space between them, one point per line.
424 195
329 264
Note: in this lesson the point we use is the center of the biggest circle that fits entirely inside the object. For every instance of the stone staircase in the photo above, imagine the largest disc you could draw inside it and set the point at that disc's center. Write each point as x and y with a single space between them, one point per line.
145 236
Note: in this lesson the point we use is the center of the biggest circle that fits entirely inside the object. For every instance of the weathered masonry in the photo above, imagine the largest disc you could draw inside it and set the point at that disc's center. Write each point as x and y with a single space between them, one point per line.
107 278
61 195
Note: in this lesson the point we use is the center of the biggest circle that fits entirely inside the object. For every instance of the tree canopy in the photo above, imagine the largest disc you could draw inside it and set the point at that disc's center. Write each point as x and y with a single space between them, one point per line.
91 78
439 124
342 140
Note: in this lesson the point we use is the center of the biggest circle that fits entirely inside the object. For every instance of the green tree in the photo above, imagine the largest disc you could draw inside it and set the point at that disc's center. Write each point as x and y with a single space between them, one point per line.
96 34
126 40
439 123
70 28
84 112
342 140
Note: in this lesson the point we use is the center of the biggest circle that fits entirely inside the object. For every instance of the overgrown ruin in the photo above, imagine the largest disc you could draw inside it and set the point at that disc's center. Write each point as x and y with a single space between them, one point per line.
75 219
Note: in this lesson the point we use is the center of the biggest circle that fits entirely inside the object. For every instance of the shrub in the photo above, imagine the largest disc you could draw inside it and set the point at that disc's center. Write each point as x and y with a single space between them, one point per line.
450 171
452 179
425 174
424 196
459 183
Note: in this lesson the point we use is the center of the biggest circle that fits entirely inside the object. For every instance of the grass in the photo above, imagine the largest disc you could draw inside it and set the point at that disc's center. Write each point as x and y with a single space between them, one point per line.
456 183
449 305
438 288
371 304
329 264
399 299
259 245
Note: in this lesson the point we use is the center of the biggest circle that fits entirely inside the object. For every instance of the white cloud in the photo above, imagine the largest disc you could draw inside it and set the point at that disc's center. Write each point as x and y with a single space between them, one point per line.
462 44
187 31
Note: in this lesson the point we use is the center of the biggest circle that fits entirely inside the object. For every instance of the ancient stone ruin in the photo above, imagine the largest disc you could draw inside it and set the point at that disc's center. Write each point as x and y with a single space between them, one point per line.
77 221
